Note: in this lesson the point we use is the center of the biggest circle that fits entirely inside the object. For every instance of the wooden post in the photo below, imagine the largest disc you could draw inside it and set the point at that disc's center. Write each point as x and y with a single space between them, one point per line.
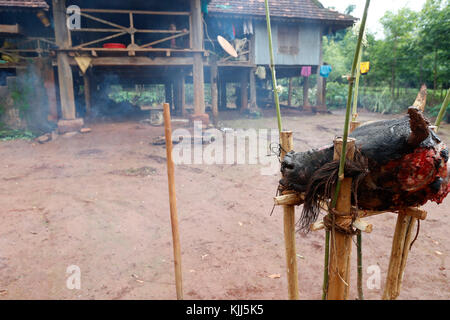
222 93
341 244
183 96
197 43
306 105
319 94
179 98
173 203
87 92
290 92
64 70
214 93
323 106
50 88
253 103
244 91
399 254
168 92
287 142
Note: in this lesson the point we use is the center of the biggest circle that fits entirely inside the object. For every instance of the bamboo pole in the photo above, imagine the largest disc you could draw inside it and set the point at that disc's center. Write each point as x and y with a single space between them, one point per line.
355 96
340 244
272 66
326 264
442 111
173 203
399 254
344 144
287 142
353 125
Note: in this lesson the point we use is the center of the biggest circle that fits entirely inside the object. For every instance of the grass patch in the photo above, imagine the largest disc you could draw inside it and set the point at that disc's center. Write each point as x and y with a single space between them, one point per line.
7 134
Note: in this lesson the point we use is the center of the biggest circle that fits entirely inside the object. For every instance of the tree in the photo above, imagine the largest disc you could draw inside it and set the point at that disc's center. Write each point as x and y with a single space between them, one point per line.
434 27
399 31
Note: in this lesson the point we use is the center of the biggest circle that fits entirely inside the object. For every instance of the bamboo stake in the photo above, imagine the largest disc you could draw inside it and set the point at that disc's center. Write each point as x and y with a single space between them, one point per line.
442 111
353 125
355 96
287 142
347 116
359 266
272 67
340 246
326 264
399 254
173 203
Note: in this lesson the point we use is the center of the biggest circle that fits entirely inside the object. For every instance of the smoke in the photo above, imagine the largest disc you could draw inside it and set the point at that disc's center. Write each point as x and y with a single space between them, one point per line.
26 102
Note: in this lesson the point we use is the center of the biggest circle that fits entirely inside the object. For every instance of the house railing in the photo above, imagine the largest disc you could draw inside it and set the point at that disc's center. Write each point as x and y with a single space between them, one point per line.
118 30
27 48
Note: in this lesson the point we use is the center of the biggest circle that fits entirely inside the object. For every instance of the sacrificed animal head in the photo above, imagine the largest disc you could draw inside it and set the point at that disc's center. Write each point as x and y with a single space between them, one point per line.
399 163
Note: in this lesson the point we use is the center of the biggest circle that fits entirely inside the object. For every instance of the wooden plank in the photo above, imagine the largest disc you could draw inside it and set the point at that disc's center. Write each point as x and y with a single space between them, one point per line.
99 49
112 24
10 29
162 13
100 40
164 39
139 61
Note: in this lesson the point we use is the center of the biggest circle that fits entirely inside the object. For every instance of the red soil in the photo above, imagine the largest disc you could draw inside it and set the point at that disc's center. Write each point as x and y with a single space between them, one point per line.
81 201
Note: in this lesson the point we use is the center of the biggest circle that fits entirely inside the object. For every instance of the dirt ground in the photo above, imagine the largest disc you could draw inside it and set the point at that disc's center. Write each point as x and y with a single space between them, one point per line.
100 201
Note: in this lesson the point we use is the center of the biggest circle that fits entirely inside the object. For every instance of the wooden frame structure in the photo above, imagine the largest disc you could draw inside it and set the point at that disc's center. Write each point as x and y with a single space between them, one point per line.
339 261
119 30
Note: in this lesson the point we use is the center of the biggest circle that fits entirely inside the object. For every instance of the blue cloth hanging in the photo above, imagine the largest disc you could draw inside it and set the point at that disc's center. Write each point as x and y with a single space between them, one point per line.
325 70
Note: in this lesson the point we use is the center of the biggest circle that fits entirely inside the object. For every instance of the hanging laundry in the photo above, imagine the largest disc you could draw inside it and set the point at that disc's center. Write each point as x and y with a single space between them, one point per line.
365 67
229 31
204 6
325 70
306 71
248 27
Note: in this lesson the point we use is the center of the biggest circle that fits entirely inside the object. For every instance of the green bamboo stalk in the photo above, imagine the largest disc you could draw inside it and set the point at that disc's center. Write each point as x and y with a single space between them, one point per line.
348 109
442 111
359 261
272 67
344 142
355 96
326 263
